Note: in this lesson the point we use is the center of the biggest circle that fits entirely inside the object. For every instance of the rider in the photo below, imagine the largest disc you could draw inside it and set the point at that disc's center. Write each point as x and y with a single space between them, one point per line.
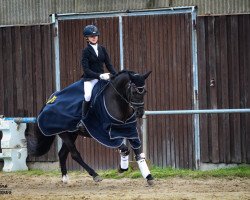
93 58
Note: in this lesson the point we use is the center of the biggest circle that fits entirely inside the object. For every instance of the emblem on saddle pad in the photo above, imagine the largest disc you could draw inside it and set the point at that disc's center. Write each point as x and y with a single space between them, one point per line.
52 100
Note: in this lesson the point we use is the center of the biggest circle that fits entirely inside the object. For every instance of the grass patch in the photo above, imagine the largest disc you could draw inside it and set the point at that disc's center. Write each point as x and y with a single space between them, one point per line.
36 172
157 172
160 173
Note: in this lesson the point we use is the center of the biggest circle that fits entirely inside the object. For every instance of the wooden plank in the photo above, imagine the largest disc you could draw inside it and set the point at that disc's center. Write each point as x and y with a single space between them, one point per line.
171 85
62 44
242 81
38 67
48 60
159 78
179 80
163 77
29 46
167 90
190 94
75 47
183 66
19 73
225 130
8 71
125 40
24 69
247 86
183 75
69 58
235 101
2 110
175 91
244 53
218 69
213 89
201 36
1 80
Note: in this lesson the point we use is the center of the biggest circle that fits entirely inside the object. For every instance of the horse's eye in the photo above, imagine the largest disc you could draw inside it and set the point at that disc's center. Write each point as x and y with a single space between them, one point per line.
140 90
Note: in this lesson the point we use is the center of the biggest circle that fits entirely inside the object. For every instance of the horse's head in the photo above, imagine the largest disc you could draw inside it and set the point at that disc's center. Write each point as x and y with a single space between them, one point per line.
135 92
127 91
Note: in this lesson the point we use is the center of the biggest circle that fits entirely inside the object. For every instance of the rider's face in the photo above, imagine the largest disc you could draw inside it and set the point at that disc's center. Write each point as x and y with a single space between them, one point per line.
93 39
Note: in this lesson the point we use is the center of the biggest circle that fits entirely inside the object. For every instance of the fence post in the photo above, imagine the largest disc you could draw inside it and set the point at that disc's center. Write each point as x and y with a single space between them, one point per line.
144 136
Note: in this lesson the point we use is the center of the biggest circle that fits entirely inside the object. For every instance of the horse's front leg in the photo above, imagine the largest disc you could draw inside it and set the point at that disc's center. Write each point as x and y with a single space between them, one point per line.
77 157
141 161
124 162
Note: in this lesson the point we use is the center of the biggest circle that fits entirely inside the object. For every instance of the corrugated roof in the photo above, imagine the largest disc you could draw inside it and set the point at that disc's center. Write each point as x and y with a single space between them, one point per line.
14 12
206 7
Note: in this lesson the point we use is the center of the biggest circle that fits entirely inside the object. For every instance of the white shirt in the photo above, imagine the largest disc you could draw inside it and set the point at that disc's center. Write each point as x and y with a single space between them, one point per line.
95 47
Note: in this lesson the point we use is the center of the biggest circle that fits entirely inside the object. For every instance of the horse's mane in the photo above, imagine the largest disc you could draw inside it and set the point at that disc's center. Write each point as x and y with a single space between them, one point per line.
123 72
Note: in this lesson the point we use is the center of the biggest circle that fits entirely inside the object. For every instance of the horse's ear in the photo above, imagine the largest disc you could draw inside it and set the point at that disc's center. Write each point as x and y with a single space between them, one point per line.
146 75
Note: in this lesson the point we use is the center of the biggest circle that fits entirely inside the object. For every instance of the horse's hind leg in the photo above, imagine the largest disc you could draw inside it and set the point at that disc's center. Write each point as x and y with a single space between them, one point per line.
63 154
140 158
77 157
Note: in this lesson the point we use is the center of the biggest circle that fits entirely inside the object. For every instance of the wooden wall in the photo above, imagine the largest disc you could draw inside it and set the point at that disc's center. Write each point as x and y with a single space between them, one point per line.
26 72
224 58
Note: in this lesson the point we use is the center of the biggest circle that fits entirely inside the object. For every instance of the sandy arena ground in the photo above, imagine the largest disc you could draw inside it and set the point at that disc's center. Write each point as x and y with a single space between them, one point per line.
83 187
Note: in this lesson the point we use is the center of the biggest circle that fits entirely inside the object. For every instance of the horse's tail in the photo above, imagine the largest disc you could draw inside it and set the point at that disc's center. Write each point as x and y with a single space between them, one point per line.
39 144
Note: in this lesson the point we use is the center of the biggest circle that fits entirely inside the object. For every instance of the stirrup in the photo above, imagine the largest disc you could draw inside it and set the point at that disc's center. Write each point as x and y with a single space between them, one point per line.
80 126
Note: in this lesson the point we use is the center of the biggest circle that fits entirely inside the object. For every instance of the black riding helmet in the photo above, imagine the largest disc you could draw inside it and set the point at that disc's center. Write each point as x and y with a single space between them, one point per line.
90 30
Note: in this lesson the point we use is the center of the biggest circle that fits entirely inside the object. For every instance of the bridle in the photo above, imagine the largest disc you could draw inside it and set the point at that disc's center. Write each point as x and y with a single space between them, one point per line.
129 94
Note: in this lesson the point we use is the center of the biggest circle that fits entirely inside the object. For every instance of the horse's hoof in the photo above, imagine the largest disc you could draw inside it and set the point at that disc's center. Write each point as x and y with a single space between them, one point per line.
120 170
65 179
97 178
150 182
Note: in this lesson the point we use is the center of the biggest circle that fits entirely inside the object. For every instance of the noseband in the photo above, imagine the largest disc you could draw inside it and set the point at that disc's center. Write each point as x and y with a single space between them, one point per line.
139 90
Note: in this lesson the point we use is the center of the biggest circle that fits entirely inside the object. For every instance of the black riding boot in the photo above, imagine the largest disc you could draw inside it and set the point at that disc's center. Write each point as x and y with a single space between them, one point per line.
85 108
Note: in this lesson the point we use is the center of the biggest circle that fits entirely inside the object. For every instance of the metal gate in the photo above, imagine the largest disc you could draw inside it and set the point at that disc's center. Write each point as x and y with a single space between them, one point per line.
157 40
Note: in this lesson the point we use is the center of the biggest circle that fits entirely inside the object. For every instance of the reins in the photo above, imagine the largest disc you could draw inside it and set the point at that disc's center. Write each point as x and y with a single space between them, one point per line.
131 103
119 93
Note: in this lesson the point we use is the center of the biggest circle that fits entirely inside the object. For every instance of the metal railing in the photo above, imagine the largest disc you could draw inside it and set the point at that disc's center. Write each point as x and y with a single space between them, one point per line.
196 126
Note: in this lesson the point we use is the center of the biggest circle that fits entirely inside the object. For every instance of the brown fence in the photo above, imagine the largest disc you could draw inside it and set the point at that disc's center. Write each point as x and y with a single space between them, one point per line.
224 71
161 43
26 72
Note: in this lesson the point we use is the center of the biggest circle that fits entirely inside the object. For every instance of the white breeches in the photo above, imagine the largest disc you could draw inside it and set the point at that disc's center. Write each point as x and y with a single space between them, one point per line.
88 87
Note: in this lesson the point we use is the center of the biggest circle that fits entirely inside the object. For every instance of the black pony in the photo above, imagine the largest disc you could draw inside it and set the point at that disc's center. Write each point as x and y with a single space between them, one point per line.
124 102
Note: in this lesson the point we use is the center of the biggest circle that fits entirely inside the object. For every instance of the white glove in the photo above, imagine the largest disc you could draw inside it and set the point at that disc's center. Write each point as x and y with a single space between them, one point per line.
105 76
